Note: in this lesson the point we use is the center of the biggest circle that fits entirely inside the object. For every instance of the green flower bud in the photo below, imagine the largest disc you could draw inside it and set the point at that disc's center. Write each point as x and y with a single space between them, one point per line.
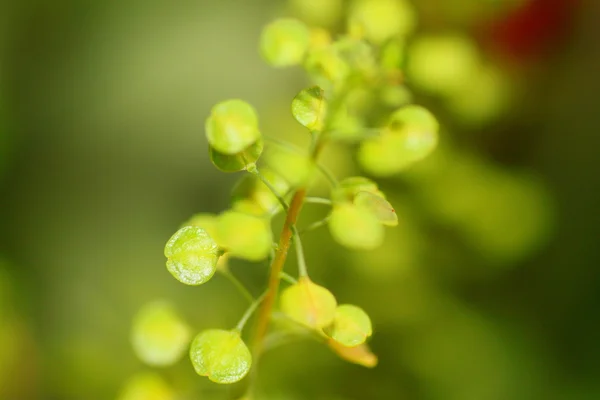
232 127
159 337
220 355
192 255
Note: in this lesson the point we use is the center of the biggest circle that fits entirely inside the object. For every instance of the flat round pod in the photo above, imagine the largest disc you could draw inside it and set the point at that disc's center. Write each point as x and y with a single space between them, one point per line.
236 162
442 64
361 354
220 355
308 303
244 236
252 196
351 326
206 221
309 107
327 65
232 127
297 169
347 188
355 227
146 386
192 255
380 20
411 135
158 335
284 42
377 205
413 117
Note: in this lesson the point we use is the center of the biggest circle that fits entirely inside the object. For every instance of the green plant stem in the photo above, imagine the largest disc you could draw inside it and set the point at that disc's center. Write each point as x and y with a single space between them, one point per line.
240 325
315 225
318 200
288 278
276 269
266 308
274 191
238 284
328 175
302 270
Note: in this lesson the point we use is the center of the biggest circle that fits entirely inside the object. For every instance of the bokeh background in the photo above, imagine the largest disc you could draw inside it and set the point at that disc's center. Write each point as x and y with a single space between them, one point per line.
489 288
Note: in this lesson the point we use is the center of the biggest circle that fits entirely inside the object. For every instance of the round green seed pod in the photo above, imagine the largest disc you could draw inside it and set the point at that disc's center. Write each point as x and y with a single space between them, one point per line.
284 42
351 326
411 135
347 188
442 64
244 236
309 107
377 205
380 20
159 336
236 162
220 355
308 303
192 255
355 227
232 127
146 386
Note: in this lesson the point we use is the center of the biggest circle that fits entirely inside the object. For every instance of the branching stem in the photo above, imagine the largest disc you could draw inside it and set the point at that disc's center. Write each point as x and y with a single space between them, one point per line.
249 312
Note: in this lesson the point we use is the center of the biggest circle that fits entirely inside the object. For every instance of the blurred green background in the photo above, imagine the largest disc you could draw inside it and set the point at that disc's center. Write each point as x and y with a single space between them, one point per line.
489 288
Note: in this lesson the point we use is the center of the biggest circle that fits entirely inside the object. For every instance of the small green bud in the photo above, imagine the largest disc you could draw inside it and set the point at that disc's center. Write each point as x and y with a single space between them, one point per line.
146 386
308 303
244 236
284 42
379 206
232 127
355 227
236 162
220 355
351 326
309 108
380 20
159 337
192 255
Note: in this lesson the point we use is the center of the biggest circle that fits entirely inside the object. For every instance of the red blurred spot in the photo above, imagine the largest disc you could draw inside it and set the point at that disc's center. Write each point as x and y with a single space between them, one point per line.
533 29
